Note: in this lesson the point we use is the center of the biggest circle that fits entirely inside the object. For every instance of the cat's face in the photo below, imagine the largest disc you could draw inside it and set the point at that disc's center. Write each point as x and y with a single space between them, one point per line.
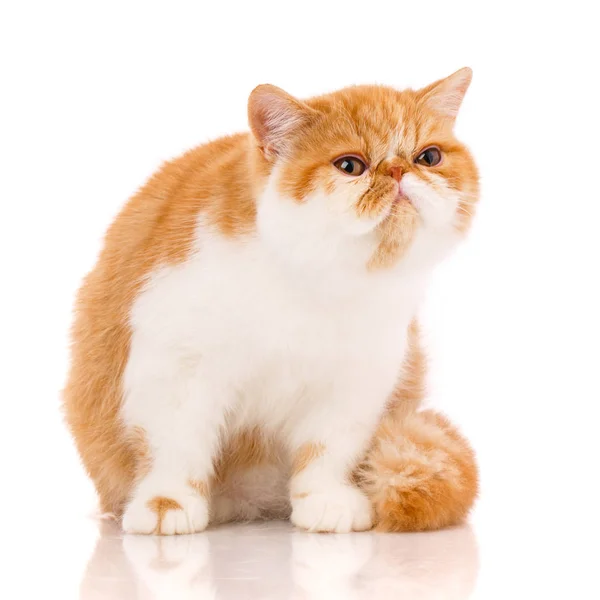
370 162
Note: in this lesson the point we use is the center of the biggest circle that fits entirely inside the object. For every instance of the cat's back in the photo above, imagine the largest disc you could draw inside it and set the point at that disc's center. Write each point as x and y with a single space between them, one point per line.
157 226
158 222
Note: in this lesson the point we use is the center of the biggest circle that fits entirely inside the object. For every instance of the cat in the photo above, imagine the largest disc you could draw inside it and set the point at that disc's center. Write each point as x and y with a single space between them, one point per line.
247 346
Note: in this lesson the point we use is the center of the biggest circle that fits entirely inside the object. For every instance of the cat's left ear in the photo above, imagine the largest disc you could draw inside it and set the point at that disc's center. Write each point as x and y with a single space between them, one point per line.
274 117
446 95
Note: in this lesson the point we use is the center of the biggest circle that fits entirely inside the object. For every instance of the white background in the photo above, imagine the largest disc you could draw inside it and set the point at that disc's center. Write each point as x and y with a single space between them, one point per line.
94 95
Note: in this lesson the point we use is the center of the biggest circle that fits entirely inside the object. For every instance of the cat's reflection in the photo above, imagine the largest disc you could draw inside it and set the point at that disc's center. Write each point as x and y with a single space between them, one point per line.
271 561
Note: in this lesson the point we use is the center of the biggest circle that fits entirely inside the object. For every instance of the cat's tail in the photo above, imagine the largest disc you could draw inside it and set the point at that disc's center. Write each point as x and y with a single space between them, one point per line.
420 473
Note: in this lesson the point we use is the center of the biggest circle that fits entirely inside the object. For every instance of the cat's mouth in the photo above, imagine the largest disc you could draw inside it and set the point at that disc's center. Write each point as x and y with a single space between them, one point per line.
398 202
401 215
400 196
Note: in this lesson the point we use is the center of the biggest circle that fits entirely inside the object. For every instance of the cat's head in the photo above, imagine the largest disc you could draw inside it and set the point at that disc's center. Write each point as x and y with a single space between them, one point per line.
367 163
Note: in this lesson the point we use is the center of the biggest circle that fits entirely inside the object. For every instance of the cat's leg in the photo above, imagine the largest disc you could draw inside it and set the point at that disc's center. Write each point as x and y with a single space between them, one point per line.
327 444
181 419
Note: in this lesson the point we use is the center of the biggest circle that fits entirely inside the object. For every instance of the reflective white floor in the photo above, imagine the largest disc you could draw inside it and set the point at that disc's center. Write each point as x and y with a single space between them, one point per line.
272 561
76 557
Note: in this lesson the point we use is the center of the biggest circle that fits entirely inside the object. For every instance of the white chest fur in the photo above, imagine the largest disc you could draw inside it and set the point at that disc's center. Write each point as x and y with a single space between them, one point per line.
263 337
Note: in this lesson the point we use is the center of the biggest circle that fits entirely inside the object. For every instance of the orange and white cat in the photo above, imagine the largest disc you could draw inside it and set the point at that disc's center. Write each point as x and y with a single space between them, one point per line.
246 346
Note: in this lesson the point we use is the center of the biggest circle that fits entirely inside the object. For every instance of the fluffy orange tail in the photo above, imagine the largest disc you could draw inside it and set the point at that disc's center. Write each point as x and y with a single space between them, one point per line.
420 473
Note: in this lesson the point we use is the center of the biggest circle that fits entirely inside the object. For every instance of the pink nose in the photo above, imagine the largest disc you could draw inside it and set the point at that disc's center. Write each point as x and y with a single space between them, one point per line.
396 173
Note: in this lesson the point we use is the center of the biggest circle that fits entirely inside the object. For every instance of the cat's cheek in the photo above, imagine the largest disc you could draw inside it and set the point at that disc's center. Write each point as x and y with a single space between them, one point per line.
345 209
435 202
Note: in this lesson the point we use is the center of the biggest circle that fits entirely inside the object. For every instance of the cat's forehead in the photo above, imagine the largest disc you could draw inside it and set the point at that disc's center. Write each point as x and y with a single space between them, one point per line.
384 121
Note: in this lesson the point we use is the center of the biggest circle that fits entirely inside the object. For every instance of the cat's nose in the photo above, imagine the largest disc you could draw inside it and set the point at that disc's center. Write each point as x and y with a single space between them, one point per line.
396 173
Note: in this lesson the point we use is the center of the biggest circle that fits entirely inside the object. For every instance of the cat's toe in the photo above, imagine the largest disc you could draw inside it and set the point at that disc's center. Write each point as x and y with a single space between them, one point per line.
166 515
192 518
139 518
340 509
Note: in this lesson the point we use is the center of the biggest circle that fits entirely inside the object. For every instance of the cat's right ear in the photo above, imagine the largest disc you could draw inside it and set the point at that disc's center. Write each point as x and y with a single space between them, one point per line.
274 116
446 95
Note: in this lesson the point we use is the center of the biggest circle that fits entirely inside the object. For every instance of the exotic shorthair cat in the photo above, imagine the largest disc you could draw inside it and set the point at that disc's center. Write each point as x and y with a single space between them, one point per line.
246 346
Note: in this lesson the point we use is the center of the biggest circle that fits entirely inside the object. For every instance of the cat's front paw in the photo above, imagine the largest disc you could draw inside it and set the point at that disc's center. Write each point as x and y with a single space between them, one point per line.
166 514
338 509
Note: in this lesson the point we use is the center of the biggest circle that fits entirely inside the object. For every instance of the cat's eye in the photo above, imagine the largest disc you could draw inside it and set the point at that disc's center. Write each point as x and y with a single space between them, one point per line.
430 157
350 165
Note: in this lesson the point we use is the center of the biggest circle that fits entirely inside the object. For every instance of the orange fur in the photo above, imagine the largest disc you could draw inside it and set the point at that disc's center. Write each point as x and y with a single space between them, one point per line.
141 451
420 473
396 233
200 487
160 506
305 455
410 390
221 180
